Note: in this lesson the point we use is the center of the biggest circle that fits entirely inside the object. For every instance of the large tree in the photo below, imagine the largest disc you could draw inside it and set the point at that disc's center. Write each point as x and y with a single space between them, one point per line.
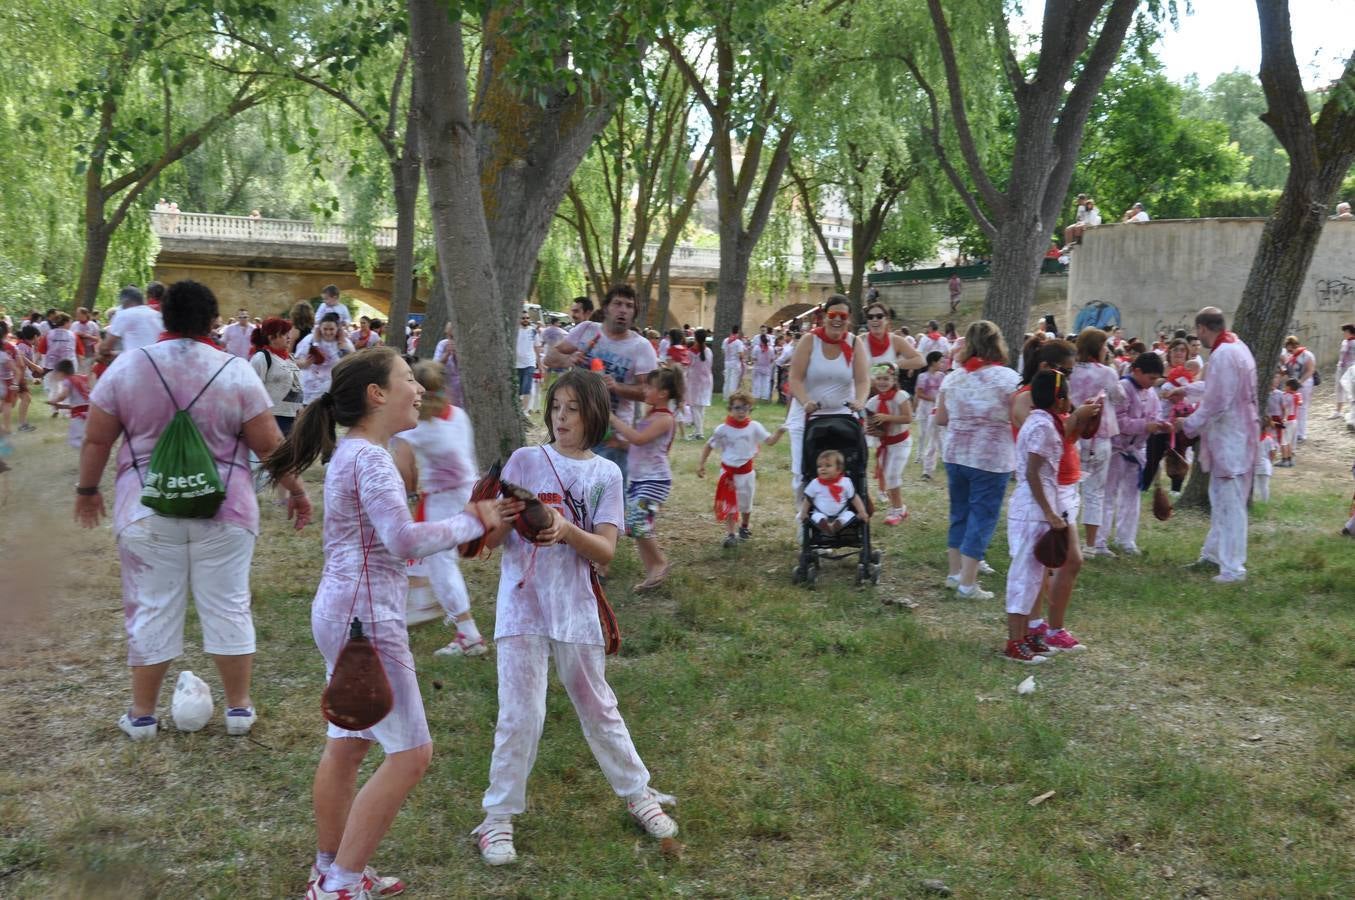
1017 205
548 78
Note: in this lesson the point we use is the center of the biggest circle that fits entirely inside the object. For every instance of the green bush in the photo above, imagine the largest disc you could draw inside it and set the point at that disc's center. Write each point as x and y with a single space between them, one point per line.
1238 201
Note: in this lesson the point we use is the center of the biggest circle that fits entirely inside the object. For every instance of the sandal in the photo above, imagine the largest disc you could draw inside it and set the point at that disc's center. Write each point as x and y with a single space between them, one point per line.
463 646
654 580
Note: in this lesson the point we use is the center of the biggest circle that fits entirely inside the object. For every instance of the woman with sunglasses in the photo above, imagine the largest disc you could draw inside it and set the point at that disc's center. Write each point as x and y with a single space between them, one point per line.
829 372
887 347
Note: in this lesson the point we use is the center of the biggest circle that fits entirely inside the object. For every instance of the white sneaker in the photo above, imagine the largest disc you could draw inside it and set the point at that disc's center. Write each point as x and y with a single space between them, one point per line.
952 582
1102 551
142 728
1226 578
984 568
375 885
1130 550
647 810
495 837
314 891
974 593
463 646
239 720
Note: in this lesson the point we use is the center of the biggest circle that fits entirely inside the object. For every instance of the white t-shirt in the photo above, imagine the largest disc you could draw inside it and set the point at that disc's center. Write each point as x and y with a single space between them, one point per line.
137 326
738 445
445 452
546 590
325 308
525 357
236 339
734 348
820 496
625 358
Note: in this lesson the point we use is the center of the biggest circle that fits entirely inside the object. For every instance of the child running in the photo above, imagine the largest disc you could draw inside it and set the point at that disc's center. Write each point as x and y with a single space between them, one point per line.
1038 505
438 455
831 501
651 477
368 536
739 439
547 608
71 393
890 412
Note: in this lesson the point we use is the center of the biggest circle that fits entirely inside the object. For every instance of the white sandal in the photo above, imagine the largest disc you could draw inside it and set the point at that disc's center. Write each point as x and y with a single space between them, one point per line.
462 646
495 835
647 811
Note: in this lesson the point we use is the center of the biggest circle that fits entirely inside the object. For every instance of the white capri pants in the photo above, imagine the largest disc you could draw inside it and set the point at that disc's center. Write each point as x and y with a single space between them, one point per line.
928 435
405 726
444 569
1123 500
896 458
1306 392
162 560
745 488
1095 469
1025 574
523 661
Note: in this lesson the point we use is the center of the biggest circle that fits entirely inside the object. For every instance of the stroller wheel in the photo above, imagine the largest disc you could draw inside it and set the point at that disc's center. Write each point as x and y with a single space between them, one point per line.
812 577
874 574
797 574
876 556
860 574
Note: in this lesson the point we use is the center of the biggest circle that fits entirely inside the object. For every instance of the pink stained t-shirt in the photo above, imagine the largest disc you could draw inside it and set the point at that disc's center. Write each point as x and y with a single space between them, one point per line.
445 452
366 505
1042 435
131 392
649 462
545 591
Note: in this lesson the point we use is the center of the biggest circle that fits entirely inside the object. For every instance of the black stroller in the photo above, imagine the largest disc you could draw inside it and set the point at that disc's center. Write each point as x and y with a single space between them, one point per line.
845 434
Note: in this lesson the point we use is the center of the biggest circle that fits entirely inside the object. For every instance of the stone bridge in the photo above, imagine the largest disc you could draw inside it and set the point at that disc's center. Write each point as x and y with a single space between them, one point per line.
266 265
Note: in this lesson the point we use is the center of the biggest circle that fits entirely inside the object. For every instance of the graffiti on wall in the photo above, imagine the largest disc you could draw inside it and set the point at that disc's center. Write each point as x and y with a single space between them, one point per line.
1336 293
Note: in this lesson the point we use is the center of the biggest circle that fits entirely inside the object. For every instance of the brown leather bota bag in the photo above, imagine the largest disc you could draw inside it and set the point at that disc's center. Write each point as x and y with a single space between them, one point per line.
358 694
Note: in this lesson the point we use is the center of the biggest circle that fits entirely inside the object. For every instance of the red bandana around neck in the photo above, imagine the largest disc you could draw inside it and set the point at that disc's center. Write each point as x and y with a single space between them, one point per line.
1226 337
844 342
884 397
934 335
879 346
735 423
973 364
834 486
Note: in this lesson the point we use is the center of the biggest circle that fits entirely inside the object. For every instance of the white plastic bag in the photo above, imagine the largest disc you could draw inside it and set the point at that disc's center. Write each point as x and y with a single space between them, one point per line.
192 704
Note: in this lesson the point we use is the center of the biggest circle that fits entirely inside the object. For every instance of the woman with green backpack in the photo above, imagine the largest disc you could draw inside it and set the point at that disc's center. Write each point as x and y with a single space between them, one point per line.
184 509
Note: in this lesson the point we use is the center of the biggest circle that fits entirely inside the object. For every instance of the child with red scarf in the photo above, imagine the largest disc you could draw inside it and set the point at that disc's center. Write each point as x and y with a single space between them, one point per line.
71 392
739 439
1291 404
830 500
890 411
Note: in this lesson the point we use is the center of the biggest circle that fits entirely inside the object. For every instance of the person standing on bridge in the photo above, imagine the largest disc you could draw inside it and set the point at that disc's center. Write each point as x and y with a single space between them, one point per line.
1227 424
329 303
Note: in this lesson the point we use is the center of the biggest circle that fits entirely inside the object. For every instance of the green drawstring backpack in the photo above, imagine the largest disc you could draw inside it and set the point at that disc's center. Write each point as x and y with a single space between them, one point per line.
181 479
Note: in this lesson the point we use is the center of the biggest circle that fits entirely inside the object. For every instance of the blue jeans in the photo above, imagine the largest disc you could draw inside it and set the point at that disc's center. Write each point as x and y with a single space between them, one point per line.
525 378
975 502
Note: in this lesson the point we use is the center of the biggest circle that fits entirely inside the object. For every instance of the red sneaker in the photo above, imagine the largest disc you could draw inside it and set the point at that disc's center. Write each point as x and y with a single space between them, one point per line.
1035 641
1064 642
1019 651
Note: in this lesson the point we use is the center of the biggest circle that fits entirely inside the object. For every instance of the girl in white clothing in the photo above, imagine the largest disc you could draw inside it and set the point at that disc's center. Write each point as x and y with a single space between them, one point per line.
890 412
368 536
317 354
547 608
437 461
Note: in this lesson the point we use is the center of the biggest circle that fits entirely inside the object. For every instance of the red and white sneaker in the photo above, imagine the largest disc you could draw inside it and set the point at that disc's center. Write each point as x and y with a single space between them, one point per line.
461 645
1035 641
315 892
647 810
1063 642
1019 651
375 885
896 516
495 838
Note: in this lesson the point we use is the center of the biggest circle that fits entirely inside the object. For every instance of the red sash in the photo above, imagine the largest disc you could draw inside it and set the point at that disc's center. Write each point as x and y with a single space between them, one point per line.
726 498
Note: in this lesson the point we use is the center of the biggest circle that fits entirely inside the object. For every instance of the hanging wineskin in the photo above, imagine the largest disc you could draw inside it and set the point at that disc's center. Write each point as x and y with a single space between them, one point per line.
358 694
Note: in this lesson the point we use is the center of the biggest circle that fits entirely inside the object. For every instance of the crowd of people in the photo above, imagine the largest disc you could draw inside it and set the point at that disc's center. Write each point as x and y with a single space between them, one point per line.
1081 423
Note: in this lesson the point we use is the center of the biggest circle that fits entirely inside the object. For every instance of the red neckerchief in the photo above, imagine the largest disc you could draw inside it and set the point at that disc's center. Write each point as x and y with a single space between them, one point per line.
822 334
879 346
1179 374
175 336
735 423
934 335
884 397
1294 357
446 414
973 364
834 486
1225 337
280 354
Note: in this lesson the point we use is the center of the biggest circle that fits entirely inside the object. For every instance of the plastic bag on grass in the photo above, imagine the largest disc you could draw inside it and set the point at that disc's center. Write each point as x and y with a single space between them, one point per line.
192 704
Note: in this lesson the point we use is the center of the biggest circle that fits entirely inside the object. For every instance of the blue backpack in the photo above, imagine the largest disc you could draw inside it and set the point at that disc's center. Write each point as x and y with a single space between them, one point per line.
1097 314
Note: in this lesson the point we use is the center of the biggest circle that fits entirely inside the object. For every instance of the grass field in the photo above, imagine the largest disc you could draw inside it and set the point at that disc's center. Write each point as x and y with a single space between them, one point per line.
821 744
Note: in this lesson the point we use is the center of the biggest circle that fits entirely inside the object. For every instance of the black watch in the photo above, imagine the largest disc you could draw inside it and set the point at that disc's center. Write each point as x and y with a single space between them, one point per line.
86 491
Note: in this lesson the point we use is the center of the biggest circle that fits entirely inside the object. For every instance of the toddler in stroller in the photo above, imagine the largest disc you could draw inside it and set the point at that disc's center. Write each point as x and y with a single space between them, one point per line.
837 508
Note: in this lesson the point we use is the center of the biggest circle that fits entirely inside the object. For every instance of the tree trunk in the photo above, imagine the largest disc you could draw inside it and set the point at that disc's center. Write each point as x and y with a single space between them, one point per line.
465 254
1195 492
96 256
736 253
435 321
405 178
1017 255
665 295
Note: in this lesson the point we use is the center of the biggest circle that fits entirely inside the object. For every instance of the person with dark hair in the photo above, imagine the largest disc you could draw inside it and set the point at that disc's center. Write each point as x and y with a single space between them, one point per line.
318 353
581 310
1091 379
620 356
1344 360
1138 416
547 608
1301 365
163 557
135 326
302 316
736 358
1226 423
329 303
155 295
884 345
700 383
273 363
25 363
236 337
926 389
368 536
71 392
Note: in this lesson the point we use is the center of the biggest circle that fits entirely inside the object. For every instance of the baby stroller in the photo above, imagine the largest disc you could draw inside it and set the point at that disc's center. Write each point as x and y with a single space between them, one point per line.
847 435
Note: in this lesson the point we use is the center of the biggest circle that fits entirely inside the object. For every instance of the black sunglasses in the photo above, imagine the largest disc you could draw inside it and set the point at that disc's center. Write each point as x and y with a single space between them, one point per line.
875 315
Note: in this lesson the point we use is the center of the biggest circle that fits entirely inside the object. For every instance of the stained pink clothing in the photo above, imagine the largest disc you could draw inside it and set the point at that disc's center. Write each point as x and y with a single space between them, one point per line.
625 358
365 503
700 382
1226 419
649 462
1043 436
131 392
545 591
60 345
235 338
978 407
928 383
1137 407
1087 381
445 452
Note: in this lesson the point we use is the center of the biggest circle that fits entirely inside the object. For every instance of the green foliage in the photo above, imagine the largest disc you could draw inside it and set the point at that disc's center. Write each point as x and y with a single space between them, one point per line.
1239 201
559 274
1140 147
1236 99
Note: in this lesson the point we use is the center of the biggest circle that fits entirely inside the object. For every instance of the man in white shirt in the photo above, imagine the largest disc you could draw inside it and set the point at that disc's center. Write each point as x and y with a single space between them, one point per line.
329 303
1227 424
236 335
135 326
525 358
1135 213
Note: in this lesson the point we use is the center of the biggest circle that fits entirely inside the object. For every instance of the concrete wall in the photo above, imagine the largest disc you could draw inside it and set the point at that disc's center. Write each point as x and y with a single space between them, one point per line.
1159 274
270 292
914 304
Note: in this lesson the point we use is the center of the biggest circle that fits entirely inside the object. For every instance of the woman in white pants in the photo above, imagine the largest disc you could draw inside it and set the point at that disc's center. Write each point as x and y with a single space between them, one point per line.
1092 378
